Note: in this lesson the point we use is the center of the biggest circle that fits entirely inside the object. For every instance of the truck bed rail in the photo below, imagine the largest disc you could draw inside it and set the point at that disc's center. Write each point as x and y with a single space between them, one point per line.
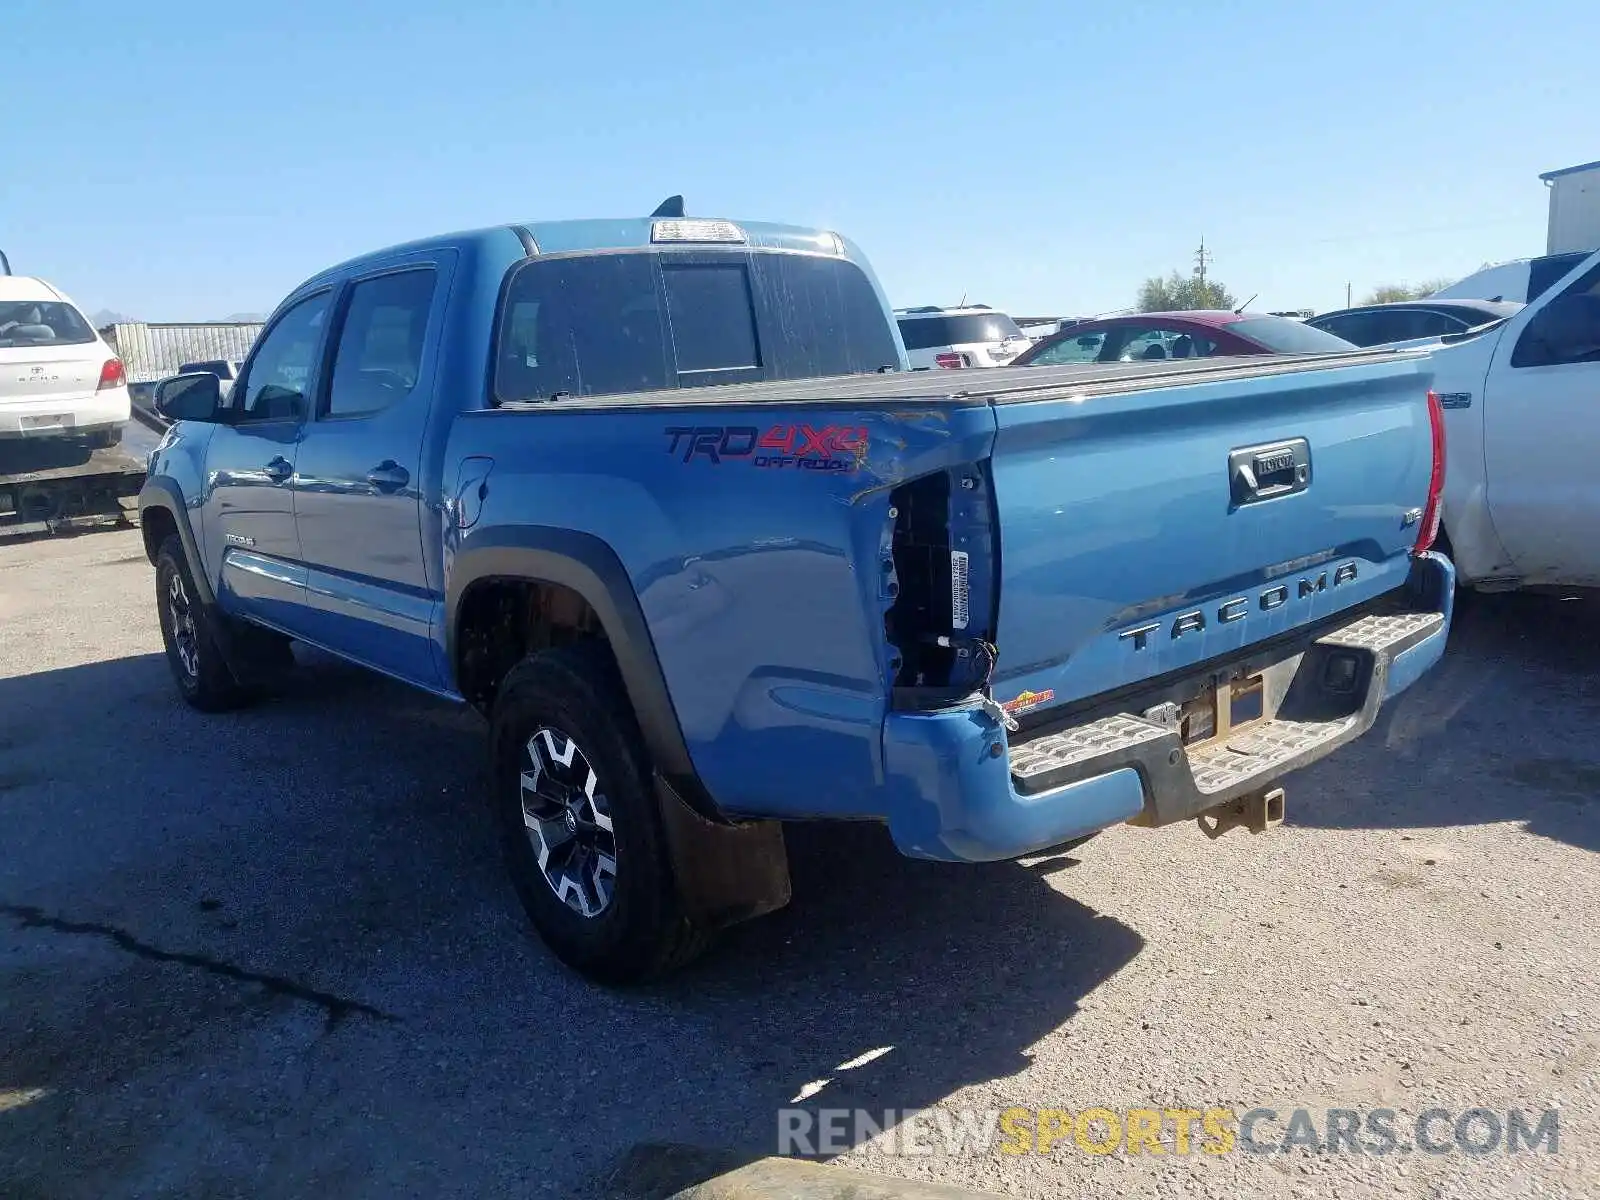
998 385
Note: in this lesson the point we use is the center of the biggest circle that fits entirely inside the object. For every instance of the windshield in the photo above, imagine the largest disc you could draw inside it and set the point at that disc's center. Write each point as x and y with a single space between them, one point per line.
1283 336
42 323
921 333
589 325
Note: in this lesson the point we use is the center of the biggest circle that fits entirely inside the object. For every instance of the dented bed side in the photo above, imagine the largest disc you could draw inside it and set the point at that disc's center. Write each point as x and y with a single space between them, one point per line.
761 545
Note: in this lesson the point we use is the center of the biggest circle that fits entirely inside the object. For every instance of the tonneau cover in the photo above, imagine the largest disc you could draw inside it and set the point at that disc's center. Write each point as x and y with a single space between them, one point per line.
998 385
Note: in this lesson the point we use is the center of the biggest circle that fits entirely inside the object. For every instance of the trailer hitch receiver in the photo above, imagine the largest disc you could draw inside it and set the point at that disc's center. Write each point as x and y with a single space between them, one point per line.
1257 812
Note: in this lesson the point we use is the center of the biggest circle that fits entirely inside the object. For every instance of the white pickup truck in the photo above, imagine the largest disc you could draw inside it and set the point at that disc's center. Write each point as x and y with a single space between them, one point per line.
1521 403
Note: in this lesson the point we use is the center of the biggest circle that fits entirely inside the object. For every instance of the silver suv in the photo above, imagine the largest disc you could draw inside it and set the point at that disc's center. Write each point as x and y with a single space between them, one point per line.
973 335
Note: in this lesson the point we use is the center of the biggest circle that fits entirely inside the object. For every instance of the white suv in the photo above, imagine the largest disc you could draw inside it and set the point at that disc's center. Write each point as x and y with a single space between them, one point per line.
972 336
58 379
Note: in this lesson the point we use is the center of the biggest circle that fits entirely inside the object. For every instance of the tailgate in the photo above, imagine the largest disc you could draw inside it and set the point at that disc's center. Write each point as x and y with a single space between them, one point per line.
1150 531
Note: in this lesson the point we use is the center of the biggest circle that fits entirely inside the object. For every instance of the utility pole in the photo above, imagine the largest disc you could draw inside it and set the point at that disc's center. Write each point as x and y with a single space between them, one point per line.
1202 257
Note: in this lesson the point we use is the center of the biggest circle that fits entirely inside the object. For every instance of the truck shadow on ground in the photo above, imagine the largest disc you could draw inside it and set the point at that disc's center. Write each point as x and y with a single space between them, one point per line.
283 949
1505 728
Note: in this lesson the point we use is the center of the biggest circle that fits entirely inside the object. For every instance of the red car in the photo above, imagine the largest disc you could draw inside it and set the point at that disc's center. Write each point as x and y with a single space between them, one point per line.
1201 333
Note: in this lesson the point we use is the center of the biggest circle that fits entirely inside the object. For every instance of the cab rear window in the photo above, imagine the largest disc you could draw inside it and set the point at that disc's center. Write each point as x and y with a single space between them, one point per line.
639 321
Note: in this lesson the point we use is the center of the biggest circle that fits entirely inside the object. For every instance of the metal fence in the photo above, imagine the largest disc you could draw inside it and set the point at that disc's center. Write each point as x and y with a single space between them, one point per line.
151 352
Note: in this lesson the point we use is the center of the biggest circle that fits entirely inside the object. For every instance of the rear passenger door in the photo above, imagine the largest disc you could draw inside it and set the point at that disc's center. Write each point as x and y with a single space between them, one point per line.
359 481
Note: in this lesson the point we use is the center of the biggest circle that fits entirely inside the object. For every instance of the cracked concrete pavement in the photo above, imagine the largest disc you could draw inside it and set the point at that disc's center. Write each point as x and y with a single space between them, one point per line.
272 954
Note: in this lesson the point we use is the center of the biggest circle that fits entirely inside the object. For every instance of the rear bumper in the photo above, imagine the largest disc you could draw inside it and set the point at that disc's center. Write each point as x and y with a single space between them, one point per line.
65 418
961 790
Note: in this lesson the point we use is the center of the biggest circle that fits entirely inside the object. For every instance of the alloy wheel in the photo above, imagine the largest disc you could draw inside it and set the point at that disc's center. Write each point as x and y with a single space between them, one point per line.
185 639
568 822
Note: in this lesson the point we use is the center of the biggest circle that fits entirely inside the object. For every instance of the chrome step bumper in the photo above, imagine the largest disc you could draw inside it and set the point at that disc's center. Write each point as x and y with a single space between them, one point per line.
1307 719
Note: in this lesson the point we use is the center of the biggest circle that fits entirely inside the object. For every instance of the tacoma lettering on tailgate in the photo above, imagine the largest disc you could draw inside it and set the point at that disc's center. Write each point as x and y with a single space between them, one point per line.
1238 608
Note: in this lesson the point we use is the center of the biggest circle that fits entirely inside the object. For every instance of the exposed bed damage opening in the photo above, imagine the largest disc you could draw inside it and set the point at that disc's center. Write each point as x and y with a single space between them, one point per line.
923 606
939 626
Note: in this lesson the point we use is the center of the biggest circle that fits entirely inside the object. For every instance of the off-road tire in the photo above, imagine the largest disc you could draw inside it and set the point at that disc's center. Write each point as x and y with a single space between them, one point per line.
640 932
198 666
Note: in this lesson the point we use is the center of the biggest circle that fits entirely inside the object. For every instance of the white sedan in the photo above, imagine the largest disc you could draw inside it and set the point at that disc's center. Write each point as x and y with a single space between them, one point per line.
58 379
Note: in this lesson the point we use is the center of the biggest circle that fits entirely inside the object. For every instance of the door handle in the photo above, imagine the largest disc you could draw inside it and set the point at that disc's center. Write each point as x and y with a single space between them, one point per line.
388 476
278 469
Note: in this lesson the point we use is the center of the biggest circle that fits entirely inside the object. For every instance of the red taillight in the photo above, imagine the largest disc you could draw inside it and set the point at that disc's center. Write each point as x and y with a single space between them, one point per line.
1429 529
950 360
112 375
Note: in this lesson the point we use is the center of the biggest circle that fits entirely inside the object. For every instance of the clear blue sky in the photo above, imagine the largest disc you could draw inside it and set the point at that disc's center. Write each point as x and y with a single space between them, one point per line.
174 159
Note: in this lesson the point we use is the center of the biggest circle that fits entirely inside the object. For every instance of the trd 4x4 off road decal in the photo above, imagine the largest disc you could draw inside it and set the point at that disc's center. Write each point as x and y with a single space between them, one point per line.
782 447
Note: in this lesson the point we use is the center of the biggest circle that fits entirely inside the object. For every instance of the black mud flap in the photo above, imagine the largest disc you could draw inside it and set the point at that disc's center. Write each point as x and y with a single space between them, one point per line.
725 873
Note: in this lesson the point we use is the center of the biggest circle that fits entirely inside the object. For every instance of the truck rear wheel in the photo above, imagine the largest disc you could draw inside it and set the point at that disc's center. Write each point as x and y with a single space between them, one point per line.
582 833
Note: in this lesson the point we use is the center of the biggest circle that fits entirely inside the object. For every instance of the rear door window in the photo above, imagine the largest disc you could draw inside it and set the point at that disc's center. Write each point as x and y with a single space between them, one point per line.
379 358
1146 343
1352 327
1074 348
1281 335
638 321
1377 326
1402 324
1437 324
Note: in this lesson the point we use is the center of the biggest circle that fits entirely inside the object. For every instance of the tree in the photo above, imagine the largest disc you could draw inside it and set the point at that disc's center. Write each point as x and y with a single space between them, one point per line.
1390 293
1177 292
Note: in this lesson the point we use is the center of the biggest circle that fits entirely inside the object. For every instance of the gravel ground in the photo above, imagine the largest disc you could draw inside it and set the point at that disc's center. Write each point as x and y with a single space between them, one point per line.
272 953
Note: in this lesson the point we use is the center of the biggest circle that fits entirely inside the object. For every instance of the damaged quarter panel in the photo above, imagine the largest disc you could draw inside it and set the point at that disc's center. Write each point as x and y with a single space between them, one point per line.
759 544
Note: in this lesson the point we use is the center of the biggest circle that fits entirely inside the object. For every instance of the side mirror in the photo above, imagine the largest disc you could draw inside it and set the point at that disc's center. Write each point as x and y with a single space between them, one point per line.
195 397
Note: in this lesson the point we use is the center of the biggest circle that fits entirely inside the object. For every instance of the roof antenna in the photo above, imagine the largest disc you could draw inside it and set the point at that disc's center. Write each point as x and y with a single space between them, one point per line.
672 206
1245 305
5 264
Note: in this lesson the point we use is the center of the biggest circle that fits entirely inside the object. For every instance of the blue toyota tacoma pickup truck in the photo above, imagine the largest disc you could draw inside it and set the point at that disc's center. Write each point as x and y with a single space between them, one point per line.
658 497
